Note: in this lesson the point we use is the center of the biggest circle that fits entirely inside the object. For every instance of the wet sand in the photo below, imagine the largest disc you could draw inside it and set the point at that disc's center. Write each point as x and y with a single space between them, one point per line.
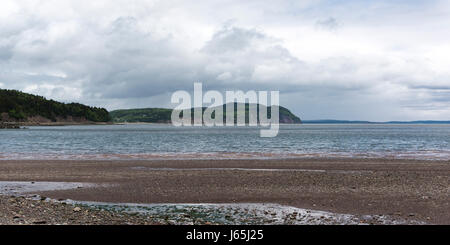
406 189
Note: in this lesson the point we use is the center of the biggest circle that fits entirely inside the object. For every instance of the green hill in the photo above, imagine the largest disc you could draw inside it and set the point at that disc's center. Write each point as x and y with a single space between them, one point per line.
161 115
148 115
24 108
16 106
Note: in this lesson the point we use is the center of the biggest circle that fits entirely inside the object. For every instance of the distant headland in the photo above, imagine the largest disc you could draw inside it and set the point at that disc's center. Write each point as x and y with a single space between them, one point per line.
23 109
18 109
162 115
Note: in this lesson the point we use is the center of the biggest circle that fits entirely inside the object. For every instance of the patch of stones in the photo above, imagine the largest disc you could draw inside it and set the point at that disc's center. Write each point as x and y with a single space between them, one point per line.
241 214
37 210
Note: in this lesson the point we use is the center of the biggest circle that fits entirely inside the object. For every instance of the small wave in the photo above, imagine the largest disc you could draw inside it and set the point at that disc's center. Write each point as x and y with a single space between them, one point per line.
416 155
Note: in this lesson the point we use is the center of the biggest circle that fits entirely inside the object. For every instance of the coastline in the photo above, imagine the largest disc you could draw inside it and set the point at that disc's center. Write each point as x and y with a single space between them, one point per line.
400 189
18 125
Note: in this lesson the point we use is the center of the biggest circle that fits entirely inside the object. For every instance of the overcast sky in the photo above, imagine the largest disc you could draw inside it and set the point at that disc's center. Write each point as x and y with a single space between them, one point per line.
357 59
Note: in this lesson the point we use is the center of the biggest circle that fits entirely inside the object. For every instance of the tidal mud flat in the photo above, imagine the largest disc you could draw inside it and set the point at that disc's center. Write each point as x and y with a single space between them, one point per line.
290 191
23 207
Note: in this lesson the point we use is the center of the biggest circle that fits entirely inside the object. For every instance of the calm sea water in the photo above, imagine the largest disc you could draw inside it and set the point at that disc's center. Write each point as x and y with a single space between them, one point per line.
166 141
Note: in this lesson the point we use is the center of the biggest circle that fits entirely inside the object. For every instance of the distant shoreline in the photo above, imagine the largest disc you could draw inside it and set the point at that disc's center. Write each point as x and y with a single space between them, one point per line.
331 121
15 125
12 125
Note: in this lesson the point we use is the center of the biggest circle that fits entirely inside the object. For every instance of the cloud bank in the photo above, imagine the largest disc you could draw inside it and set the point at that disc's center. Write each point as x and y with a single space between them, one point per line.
380 60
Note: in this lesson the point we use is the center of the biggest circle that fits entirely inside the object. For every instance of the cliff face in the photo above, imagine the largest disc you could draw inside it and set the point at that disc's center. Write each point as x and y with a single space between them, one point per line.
288 117
288 120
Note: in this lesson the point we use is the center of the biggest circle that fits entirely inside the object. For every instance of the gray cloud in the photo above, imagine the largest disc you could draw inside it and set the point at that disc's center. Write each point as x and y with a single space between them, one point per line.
122 56
232 40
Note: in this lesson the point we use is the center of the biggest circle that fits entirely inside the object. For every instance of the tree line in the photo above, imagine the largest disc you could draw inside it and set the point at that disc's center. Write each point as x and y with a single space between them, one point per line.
21 106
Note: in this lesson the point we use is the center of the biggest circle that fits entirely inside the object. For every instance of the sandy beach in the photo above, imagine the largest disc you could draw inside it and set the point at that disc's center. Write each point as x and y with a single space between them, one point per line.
401 189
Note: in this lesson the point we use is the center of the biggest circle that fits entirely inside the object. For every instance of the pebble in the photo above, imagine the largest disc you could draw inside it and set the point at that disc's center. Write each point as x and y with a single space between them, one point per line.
41 222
